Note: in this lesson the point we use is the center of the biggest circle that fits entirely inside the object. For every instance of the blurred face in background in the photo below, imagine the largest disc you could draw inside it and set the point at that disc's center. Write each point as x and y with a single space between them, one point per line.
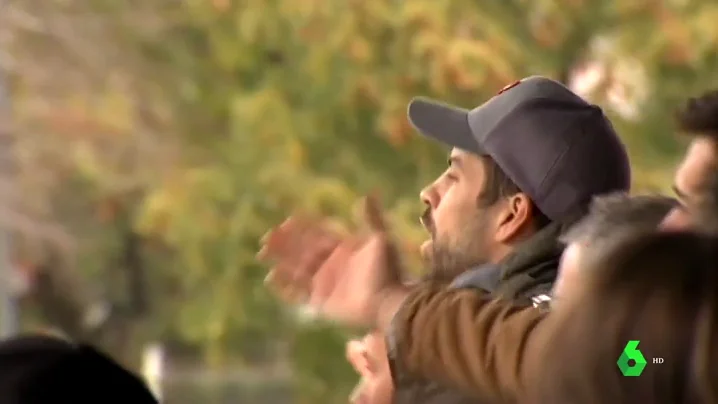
576 257
369 358
692 181
569 274
612 219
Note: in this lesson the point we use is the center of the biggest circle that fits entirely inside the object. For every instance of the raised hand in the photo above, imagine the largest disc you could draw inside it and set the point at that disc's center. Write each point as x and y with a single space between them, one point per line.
296 248
344 278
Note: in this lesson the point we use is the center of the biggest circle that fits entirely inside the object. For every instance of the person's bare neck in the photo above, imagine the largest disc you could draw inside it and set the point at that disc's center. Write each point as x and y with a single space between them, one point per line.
503 250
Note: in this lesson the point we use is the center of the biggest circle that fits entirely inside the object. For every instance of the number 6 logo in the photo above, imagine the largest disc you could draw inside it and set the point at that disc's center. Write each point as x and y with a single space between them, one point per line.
631 353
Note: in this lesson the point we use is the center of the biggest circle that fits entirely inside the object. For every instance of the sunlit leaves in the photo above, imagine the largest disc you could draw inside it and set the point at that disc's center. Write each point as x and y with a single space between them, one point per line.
259 108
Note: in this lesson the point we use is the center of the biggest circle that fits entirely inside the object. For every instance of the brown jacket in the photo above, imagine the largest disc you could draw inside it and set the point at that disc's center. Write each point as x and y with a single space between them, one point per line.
457 340
464 339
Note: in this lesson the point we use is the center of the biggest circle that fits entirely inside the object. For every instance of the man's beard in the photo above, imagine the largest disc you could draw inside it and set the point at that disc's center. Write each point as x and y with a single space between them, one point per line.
465 250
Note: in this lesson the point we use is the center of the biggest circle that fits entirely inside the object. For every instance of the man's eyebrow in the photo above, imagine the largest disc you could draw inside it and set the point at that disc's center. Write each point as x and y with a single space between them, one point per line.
454 161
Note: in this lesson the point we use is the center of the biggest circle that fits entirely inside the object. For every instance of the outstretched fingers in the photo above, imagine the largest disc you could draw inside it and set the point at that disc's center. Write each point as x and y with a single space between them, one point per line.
330 276
297 248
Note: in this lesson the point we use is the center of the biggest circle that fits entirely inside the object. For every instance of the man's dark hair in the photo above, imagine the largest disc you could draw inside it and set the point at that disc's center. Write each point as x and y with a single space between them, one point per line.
619 213
699 115
499 185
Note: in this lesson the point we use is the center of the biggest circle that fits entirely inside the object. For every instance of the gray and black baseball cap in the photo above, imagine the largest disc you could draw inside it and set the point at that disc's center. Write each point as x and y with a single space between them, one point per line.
559 149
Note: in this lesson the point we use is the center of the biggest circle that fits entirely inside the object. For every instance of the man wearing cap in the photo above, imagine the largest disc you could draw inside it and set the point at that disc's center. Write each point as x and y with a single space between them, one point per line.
523 165
552 151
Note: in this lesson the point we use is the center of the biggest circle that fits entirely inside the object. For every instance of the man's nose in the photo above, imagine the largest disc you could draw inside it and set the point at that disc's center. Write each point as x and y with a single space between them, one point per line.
430 196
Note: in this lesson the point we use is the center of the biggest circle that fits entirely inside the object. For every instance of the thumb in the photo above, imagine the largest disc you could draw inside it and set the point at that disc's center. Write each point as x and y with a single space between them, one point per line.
373 214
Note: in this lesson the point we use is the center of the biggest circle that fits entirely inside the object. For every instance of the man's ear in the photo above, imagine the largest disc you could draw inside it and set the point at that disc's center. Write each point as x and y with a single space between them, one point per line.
513 218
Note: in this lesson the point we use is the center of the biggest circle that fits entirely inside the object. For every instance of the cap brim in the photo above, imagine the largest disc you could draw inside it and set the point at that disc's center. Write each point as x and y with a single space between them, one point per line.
442 122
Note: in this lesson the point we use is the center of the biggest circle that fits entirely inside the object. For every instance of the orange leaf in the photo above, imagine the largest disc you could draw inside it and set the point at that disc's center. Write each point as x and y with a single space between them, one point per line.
399 130
221 5
107 210
359 50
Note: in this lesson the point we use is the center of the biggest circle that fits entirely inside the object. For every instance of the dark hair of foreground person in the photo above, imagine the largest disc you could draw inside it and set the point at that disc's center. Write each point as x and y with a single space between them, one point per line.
659 289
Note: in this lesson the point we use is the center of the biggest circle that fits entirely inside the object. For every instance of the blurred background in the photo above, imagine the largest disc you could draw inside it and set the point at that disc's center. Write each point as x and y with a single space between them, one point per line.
148 144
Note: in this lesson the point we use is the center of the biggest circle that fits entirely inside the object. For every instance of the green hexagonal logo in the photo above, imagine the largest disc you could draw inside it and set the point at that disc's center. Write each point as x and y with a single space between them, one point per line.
631 353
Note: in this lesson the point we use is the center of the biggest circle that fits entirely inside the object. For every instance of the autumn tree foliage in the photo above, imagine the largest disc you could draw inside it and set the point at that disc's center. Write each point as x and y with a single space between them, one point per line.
156 141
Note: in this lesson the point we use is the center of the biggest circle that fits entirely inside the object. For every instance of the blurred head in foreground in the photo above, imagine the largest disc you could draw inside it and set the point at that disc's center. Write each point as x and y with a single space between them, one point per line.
611 218
44 369
659 289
